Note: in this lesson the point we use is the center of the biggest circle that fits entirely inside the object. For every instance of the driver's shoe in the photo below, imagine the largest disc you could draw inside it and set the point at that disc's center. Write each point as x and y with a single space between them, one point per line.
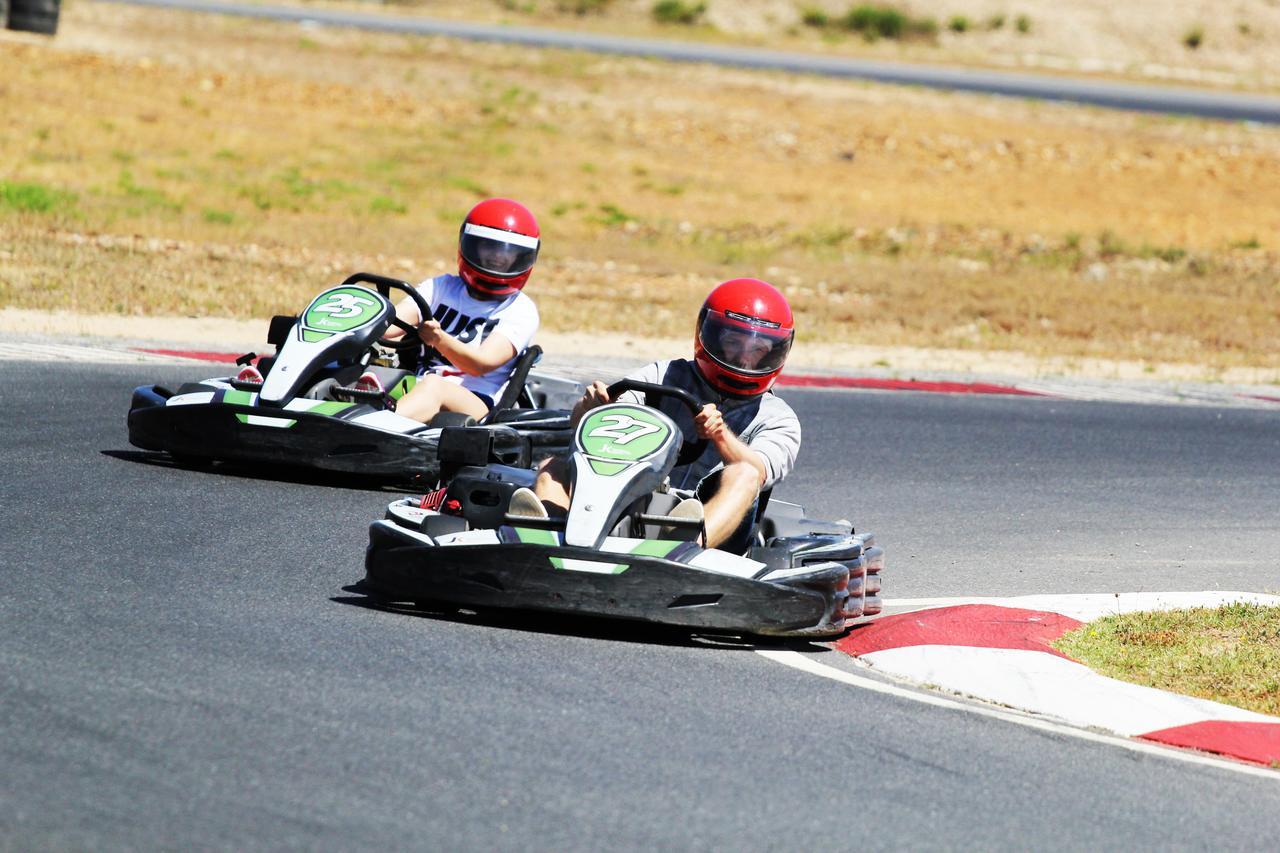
369 381
690 508
249 373
525 503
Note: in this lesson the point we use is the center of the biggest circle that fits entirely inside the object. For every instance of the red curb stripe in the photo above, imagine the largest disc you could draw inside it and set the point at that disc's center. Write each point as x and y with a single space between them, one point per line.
813 381
228 357
979 625
1263 397
1255 742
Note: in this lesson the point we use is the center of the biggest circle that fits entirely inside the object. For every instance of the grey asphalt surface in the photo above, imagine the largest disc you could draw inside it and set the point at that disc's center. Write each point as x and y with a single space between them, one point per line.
1205 103
181 668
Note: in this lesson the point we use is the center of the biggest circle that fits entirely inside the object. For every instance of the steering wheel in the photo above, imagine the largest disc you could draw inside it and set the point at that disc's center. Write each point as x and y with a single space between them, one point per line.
384 285
690 451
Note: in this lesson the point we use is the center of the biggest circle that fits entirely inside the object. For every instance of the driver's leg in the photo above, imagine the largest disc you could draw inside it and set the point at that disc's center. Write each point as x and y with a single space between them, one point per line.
728 496
433 394
552 485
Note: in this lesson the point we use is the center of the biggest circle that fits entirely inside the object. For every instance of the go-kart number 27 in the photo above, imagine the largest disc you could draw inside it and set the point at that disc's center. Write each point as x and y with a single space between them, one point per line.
617 431
344 305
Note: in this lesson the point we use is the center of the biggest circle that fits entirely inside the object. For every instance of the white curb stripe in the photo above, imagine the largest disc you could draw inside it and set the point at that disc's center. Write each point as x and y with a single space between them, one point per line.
805 663
1047 684
1086 607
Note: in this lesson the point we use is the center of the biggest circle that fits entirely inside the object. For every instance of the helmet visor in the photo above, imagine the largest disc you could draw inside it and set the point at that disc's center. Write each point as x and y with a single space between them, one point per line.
743 344
504 254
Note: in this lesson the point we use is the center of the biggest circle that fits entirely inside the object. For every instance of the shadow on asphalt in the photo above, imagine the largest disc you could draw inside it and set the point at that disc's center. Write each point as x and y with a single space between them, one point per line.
270 473
569 625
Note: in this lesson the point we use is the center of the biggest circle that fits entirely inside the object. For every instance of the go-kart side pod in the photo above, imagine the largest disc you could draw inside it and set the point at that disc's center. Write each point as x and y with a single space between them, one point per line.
649 581
330 436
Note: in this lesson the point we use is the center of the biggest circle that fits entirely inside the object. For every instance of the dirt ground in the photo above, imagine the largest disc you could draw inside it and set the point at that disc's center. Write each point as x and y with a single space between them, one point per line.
214 167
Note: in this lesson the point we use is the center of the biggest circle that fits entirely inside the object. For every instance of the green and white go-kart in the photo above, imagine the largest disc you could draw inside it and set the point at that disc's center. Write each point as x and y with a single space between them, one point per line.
617 553
307 413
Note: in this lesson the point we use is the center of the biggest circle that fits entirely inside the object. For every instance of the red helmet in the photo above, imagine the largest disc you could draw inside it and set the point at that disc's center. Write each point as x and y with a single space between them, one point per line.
497 245
744 333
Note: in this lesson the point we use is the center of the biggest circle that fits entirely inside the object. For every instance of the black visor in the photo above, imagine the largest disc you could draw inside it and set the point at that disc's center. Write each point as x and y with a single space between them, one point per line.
496 252
743 346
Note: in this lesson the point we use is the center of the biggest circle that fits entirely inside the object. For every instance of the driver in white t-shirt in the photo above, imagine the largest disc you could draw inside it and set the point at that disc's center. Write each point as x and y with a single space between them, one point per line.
481 318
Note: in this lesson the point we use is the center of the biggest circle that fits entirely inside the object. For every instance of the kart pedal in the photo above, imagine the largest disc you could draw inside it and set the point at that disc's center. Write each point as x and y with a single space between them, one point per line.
368 388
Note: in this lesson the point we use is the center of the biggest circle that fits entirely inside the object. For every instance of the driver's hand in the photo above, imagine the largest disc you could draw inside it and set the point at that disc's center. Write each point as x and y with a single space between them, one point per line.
431 332
709 422
597 394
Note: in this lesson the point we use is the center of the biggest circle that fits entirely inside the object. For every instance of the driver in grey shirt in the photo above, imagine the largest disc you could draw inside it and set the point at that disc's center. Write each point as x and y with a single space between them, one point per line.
744 332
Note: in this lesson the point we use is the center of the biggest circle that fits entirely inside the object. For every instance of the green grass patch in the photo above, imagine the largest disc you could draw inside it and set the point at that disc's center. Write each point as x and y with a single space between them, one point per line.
874 22
149 198
33 198
611 214
382 204
812 16
582 7
461 182
1228 654
678 12
217 217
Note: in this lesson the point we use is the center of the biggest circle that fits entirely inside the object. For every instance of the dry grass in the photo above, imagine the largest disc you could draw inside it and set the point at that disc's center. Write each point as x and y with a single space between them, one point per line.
168 163
1229 654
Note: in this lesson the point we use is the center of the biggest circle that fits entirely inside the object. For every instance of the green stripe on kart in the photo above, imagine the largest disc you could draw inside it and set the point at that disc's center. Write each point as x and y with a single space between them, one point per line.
655 548
311 336
237 397
534 536
328 407
607 469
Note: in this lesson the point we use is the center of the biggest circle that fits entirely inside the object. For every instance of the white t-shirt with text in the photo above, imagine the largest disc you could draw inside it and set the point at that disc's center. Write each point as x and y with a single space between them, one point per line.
471 321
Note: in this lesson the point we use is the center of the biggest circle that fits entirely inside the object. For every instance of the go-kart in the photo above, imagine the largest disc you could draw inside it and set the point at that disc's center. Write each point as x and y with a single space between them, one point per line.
617 553
308 409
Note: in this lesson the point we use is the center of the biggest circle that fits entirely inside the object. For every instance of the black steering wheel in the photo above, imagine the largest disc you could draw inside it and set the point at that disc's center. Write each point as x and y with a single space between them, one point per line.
384 285
690 451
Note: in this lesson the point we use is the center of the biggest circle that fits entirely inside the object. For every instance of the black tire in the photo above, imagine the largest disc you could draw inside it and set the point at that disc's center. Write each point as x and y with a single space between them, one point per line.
34 16
452 419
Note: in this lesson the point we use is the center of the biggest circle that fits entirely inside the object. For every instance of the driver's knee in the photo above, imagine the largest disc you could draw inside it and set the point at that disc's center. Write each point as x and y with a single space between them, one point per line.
427 386
553 476
739 478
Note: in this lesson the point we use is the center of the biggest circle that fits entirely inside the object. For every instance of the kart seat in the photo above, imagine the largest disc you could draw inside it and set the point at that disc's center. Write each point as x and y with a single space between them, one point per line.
515 385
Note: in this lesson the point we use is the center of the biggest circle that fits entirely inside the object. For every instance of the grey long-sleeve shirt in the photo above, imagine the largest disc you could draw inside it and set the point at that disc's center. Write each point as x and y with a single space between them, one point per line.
765 423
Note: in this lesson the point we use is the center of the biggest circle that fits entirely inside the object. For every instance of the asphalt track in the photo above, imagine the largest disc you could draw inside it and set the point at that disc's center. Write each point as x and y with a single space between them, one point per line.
1205 103
180 666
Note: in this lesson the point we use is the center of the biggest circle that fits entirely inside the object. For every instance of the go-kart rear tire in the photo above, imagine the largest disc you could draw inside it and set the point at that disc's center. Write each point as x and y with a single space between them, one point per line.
34 16
452 419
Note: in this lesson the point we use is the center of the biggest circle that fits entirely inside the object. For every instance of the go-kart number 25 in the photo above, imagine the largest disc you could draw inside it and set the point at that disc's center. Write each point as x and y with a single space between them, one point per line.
344 305
617 431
